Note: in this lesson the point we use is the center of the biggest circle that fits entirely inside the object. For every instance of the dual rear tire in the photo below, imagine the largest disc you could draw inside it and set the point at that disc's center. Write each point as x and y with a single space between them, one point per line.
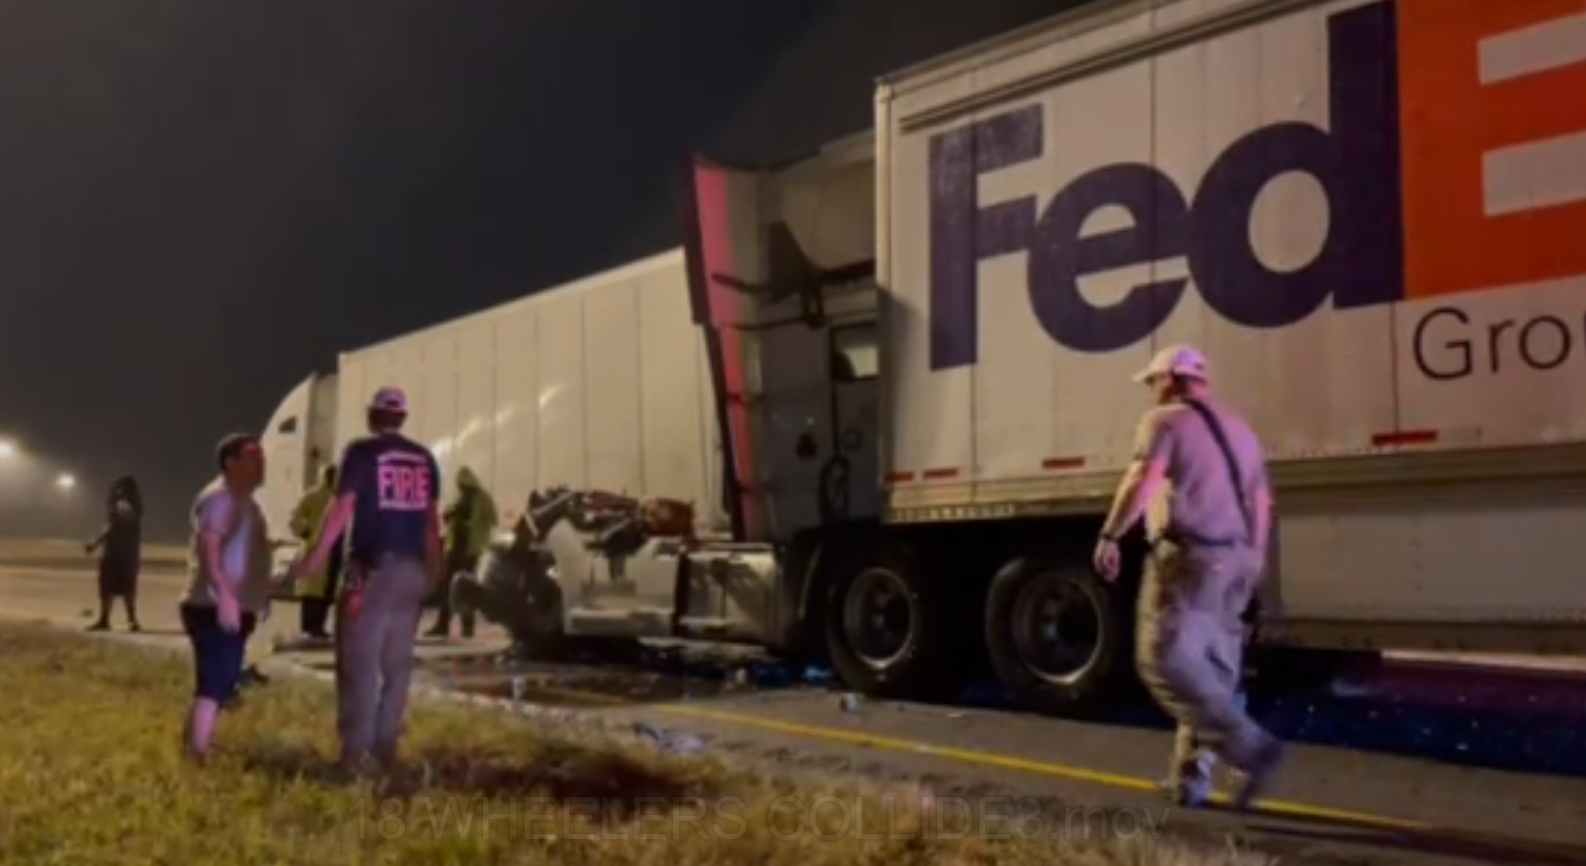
1052 631
888 628
1056 636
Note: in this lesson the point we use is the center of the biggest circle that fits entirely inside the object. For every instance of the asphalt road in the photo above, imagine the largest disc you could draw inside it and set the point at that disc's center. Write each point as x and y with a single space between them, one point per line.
1331 805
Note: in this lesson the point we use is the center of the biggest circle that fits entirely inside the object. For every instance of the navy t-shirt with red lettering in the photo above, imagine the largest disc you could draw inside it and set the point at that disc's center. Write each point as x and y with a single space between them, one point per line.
397 482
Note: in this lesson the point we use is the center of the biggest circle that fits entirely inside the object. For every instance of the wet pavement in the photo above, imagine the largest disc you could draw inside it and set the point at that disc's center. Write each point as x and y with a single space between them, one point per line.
1515 721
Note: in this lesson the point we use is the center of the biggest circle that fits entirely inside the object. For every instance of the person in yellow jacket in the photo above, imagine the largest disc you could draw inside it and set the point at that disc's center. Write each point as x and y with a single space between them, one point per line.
469 521
317 591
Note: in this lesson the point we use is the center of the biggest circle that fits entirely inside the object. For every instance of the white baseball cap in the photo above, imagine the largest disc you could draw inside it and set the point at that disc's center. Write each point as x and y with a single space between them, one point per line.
389 399
1179 360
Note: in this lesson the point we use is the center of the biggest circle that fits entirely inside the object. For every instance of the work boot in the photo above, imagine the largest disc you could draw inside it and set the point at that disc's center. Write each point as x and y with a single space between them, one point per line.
1192 786
1258 773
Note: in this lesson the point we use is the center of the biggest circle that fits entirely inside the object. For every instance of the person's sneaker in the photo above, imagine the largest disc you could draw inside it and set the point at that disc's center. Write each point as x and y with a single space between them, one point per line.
1258 775
252 676
99 626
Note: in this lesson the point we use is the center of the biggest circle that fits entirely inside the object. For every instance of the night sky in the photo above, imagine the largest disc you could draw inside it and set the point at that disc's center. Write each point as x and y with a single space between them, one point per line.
201 201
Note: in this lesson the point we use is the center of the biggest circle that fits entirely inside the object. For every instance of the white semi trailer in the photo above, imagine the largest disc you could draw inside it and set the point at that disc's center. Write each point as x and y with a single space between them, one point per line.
916 347
601 383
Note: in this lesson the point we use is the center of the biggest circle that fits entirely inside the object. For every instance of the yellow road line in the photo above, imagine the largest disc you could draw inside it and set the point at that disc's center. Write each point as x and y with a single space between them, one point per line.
1272 808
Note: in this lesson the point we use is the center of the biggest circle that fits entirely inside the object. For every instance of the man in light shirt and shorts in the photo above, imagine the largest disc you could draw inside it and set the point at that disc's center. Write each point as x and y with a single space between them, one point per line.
228 583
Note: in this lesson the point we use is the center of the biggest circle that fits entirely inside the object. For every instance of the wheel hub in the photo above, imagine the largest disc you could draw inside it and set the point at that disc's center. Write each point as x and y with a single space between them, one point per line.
1057 629
878 617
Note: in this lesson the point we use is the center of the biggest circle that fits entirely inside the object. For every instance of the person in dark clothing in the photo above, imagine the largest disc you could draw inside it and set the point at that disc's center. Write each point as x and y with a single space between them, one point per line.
120 547
386 500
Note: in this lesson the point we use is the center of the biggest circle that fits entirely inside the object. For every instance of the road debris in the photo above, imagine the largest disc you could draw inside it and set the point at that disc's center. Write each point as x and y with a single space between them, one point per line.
677 744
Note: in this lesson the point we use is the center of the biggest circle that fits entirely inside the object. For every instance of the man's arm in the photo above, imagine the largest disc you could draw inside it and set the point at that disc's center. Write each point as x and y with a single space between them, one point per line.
215 519
335 523
354 466
434 551
434 560
1144 477
1262 504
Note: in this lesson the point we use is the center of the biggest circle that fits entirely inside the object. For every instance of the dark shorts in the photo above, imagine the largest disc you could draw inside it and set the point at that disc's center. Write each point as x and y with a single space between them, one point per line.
218 655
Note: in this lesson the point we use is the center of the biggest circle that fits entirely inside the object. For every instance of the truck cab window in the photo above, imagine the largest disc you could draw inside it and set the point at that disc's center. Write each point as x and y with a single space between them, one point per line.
855 355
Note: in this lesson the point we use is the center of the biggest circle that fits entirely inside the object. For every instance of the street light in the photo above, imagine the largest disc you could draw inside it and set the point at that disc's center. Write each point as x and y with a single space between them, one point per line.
66 481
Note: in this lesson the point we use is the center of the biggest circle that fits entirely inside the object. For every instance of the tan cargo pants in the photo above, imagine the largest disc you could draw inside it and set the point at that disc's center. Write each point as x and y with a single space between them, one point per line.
1190 651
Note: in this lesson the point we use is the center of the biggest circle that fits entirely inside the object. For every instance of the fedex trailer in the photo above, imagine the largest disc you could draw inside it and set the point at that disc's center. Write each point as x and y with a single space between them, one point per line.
1368 215
916 346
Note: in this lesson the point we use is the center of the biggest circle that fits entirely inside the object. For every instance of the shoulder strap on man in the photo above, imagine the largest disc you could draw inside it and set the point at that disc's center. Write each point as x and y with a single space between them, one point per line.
1235 476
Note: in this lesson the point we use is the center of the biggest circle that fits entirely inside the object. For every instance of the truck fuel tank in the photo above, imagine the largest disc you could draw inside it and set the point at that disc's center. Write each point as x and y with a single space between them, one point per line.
730 593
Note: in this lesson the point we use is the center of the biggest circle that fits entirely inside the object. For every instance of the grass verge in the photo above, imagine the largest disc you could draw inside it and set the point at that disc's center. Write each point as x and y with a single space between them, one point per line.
91 773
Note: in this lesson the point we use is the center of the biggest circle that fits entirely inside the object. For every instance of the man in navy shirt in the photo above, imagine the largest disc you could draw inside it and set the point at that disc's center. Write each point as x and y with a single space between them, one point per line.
387 491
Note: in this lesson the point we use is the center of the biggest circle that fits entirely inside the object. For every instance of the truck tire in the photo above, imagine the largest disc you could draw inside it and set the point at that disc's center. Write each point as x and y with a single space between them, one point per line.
1056 637
886 633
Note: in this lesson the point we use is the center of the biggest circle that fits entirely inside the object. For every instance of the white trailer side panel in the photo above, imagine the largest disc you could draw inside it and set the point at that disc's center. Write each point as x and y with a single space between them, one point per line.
561 403
298 439
1012 348
513 412
600 383
477 410
1360 211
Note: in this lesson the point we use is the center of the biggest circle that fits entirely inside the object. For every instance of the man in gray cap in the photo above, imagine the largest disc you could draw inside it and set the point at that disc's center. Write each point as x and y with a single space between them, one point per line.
1199 477
387 491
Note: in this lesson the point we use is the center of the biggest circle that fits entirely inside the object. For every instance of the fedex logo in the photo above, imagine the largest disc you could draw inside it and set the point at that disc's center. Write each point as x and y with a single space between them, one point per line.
1443 114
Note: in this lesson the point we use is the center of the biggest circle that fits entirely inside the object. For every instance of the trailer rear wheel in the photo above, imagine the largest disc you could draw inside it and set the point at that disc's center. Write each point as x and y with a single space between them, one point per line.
885 633
1054 635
